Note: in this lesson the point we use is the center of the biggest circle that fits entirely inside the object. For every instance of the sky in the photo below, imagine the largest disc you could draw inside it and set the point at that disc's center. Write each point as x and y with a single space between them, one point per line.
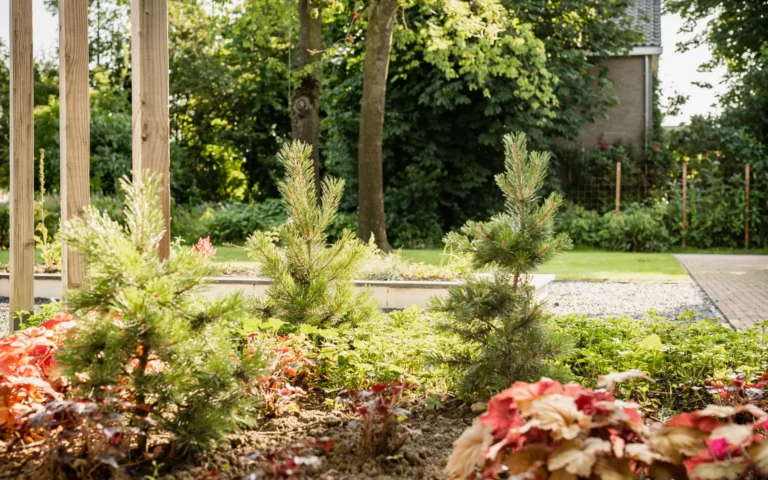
677 71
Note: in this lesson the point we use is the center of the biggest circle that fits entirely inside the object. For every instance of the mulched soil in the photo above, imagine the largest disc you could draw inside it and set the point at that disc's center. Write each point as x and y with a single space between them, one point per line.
423 456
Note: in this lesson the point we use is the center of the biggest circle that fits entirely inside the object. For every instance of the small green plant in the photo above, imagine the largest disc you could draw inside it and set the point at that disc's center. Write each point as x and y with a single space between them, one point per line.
46 312
50 250
143 327
312 278
498 318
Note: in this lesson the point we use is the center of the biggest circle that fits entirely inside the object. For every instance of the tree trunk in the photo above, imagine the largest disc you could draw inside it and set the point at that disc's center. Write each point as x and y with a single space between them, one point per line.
378 43
305 103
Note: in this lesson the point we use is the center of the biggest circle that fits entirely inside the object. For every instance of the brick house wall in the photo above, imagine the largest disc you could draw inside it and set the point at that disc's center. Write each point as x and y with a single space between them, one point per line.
631 118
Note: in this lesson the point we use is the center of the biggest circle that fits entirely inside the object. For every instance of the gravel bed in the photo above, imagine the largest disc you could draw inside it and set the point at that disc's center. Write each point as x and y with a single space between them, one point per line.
4 307
607 299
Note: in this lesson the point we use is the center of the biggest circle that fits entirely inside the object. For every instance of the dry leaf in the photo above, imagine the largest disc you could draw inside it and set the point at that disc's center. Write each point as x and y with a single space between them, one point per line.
468 450
608 381
557 414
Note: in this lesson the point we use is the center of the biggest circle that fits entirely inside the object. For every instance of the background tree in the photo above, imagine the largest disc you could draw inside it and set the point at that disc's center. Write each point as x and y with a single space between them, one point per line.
378 44
305 102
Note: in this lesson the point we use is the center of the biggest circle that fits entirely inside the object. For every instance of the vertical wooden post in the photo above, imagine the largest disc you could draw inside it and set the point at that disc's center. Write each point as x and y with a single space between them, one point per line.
151 128
746 206
74 127
22 161
685 200
618 188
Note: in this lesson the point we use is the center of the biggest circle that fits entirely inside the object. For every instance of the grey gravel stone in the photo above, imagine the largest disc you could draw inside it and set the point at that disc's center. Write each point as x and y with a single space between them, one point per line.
608 299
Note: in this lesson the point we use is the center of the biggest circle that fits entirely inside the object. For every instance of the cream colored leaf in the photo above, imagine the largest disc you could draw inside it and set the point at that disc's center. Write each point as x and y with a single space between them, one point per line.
672 442
559 415
610 380
578 458
727 469
753 410
614 469
561 474
468 450
641 452
732 433
720 411
529 459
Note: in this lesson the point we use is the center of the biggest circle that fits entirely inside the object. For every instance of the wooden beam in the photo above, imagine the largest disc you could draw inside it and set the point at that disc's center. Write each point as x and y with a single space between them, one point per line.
74 121
746 206
22 160
151 129
685 201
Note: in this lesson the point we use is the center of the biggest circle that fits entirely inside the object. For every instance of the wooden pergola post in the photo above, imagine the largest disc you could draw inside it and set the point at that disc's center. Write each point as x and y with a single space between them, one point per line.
151 127
22 161
74 111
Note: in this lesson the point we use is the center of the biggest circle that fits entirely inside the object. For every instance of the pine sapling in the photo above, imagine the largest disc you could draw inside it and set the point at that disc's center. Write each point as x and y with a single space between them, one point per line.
498 316
312 278
143 328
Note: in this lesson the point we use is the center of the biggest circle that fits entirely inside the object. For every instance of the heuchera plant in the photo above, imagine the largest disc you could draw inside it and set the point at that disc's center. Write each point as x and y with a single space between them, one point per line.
382 423
288 370
547 430
205 248
28 378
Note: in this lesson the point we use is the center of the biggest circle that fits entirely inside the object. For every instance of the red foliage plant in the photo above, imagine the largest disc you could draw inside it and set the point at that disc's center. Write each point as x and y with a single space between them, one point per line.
288 371
291 461
28 377
546 430
205 248
382 423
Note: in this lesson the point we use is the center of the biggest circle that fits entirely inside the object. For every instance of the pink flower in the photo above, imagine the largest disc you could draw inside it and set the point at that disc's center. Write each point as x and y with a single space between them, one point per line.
204 248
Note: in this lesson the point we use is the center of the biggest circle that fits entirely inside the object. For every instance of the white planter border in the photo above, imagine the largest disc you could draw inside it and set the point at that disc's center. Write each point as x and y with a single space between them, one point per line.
391 294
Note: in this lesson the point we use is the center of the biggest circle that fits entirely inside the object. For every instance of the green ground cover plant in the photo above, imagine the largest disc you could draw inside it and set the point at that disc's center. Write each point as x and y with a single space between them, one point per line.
682 356
145 334
498 317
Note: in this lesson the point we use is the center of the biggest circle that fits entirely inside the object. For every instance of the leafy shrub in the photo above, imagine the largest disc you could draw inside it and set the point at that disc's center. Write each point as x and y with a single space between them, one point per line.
547 430
312 279
27 377
143 328
499 318
234 222
47 311
682 356
637 229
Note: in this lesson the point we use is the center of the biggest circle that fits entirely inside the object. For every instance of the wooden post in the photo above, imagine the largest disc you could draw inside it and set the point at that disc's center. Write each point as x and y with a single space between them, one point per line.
22 161
618 188
746 206
74 127
685 200
151 128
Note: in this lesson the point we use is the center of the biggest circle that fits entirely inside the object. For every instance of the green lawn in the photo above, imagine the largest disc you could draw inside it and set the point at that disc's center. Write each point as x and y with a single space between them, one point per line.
573 265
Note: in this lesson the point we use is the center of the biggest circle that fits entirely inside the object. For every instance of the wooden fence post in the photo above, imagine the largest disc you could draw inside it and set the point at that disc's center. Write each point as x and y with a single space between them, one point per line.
151 128
74 95
746 206
618 188
22 159
685 200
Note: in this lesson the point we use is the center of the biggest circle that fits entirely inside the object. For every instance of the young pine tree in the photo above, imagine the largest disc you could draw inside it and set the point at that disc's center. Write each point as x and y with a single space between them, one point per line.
312 278
144 330
499 317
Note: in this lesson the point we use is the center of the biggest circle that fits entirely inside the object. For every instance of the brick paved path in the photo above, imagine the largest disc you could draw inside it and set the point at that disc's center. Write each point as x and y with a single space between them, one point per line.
737 284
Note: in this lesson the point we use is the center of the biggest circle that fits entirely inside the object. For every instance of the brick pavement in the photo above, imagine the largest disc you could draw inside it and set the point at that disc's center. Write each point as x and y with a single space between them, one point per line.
737 284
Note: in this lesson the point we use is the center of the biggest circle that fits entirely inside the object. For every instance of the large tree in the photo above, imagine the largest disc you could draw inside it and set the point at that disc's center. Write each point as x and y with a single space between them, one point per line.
378 44
305 102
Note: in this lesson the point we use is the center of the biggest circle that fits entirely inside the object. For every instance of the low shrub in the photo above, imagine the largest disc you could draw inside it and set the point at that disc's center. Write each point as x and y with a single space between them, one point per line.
143 328
312 278
682 356
498 318
638 228
547 430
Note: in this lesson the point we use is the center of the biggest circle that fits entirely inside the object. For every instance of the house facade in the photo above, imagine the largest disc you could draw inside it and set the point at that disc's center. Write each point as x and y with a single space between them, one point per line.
632 75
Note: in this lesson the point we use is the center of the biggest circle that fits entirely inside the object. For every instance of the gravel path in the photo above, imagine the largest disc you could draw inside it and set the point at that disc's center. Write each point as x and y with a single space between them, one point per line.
601 299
